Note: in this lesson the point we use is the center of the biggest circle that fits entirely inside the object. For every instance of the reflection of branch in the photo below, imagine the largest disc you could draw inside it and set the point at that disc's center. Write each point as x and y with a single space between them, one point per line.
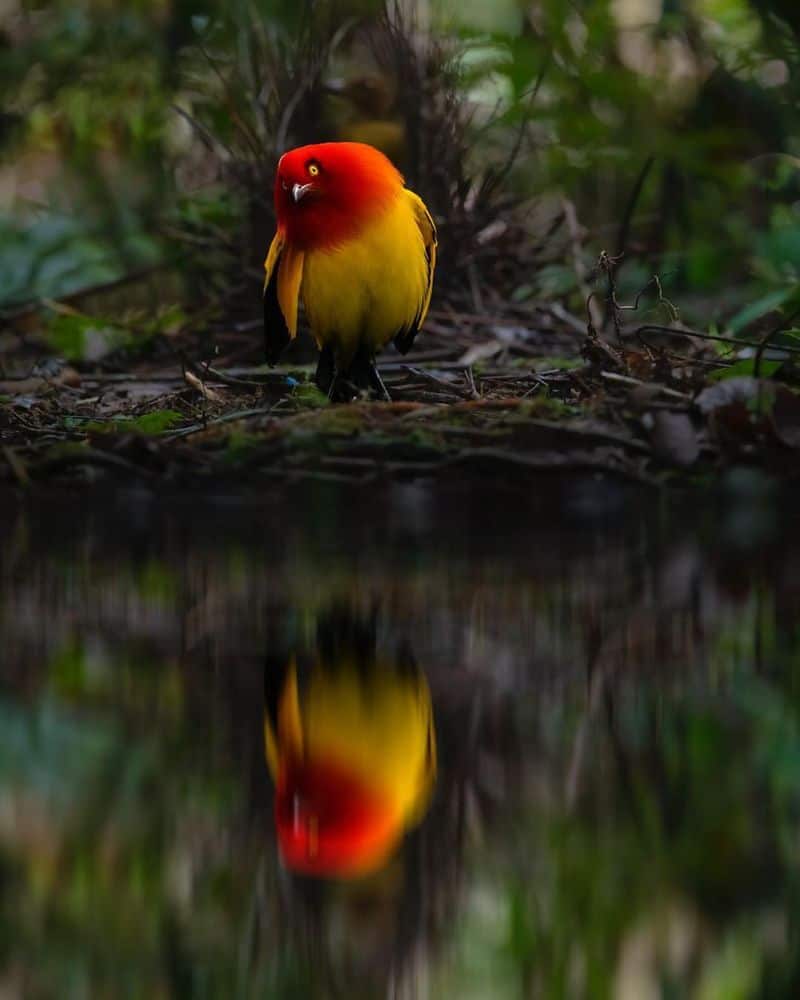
621 758
597 683
631 637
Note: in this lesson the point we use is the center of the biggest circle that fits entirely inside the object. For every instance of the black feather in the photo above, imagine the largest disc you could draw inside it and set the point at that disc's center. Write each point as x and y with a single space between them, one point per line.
276 332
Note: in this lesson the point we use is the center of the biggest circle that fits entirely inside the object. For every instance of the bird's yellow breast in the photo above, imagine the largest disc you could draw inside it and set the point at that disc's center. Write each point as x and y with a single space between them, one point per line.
365 291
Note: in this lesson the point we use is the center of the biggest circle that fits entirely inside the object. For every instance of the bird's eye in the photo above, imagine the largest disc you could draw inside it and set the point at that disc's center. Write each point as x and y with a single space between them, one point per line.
313 169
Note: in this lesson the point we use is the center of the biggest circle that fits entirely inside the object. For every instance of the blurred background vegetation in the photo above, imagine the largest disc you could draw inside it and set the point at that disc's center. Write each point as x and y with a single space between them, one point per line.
139 134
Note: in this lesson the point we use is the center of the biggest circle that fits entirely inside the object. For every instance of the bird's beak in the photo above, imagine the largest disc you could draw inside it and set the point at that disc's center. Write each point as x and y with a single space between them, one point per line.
299 191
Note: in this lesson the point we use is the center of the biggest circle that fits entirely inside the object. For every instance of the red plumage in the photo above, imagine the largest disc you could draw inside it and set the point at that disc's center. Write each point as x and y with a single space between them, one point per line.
354 182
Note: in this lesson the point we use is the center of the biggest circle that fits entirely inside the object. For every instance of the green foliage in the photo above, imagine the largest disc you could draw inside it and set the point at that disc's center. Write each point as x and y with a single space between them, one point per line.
308 395
52 256
761 307
85 338
240 445
156 422
745 367
77 337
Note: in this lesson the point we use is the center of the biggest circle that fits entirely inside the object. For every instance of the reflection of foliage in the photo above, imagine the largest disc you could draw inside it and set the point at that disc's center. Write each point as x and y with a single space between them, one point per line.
661 857
106 883
671 874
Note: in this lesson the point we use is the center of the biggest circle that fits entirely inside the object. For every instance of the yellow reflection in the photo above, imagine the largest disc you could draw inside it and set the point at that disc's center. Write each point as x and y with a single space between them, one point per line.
351 747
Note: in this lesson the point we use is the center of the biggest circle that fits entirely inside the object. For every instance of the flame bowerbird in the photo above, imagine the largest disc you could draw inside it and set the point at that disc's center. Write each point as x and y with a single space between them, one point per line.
358 249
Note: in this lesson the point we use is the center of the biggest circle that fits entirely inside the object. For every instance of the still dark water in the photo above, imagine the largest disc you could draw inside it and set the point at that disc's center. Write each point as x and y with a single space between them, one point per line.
523 746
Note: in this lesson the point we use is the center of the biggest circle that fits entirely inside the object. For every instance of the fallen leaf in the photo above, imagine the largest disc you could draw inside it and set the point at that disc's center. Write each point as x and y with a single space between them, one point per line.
639 364
68 376
480 352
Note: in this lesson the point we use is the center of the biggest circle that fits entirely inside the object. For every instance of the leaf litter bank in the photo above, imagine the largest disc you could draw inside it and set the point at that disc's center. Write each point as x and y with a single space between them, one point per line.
514 391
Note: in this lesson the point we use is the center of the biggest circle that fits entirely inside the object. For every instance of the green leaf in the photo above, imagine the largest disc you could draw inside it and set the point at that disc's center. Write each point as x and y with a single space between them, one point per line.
755 310
149 423
745 367
85 338
156 422
554 280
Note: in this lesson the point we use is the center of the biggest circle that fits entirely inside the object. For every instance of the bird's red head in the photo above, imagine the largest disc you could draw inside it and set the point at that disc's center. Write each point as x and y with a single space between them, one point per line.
326 193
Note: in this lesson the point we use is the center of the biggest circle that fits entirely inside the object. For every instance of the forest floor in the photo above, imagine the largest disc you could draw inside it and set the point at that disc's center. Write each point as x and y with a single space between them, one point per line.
508 389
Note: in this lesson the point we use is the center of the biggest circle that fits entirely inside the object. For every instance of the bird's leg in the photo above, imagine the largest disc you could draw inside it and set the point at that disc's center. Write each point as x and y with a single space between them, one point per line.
364 376
333 390
377 382
325 377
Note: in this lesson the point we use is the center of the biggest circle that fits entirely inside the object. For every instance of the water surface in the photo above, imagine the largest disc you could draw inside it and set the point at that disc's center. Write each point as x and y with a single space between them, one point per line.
607 804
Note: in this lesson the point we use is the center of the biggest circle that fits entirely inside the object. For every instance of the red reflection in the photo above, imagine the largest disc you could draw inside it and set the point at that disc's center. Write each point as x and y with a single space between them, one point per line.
329 821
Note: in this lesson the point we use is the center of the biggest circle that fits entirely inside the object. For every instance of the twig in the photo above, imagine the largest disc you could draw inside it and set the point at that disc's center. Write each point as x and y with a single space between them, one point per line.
628 380
622 237
226 418
205 391
205 370
431 377
768 336
208 137
573 227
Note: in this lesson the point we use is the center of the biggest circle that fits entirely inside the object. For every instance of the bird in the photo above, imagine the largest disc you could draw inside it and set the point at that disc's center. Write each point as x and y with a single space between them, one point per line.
351 747
358 248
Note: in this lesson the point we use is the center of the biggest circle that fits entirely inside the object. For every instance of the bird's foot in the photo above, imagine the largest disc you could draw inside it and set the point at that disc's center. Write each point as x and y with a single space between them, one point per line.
341 390
361 380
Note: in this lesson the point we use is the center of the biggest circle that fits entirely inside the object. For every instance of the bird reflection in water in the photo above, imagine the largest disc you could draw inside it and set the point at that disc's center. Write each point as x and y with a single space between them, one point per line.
351 747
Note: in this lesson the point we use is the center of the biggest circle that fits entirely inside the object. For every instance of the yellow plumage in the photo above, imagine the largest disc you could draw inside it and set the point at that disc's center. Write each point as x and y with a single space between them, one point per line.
365 292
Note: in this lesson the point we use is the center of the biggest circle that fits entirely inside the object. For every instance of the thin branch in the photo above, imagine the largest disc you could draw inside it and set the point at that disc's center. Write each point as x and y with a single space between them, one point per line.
622 237
683 332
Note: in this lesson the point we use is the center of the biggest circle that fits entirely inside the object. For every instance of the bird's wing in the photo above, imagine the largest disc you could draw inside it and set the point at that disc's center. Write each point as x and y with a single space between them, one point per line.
283 274
424 220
